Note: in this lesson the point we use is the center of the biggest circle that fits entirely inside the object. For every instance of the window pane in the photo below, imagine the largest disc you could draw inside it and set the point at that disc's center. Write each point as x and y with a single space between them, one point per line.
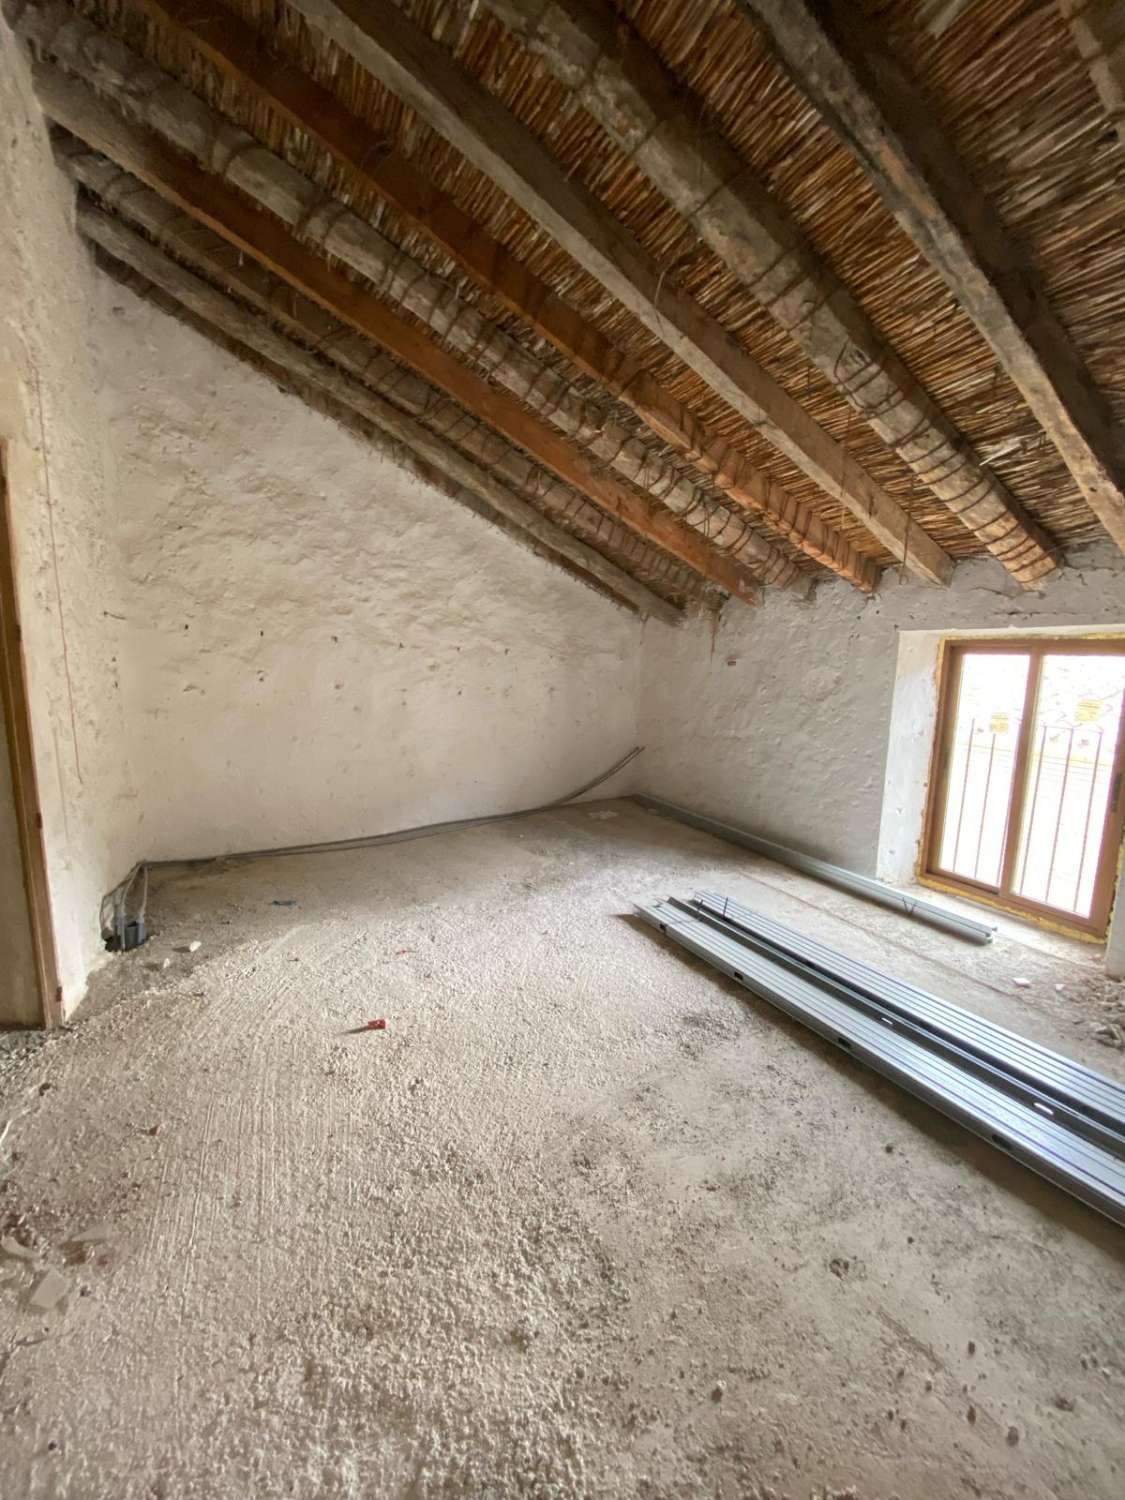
1073 744
981 764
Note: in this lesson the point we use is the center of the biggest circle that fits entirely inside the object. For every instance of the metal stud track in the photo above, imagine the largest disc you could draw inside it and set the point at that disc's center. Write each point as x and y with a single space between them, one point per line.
1060 1078
1045 1144
848 880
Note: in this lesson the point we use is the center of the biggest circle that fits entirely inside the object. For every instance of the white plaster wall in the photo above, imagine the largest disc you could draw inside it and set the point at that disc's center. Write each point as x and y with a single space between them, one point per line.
59 484
782 720
289 637
320 644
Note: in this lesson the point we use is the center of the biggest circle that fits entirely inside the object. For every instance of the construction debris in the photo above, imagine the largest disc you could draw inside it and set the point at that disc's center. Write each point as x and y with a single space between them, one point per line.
49 1290
9 1245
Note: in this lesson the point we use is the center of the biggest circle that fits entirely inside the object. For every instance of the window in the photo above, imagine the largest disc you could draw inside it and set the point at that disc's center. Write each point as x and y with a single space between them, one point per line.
1026 798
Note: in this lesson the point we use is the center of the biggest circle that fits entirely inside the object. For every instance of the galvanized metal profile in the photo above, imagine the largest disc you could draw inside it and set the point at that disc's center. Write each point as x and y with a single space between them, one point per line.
1090 1173
848 880
1066 1081
1093 1111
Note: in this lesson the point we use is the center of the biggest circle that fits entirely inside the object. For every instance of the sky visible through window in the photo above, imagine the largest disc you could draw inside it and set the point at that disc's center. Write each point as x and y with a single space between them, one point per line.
1069 774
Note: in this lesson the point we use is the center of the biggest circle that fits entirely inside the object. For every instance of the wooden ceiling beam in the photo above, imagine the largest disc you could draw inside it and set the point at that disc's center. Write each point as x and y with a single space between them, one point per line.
147 94
1098 29
238 52
225 315
867 96
382 41
621 84
202 250
201 194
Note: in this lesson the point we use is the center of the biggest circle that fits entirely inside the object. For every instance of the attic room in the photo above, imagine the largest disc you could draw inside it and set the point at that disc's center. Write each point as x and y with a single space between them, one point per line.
563 674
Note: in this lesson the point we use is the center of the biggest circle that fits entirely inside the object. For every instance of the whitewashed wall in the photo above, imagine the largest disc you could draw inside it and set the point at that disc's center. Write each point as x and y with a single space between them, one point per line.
248 628
319 644
782 720
60 484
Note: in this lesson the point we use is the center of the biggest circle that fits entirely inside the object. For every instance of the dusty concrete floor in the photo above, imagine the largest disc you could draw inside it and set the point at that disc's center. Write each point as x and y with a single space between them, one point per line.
582 1221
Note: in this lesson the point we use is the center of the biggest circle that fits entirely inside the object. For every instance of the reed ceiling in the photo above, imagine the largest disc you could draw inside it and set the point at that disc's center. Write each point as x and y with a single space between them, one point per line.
1006 82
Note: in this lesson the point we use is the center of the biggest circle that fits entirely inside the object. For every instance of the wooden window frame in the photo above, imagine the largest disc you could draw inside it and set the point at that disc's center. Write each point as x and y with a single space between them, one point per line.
25 786
953 652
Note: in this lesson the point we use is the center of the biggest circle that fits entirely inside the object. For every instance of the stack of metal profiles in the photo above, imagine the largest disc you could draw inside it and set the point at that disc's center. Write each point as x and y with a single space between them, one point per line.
1062 1120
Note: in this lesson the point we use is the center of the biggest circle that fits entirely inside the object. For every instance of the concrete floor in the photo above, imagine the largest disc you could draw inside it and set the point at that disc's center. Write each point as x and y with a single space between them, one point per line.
584 1220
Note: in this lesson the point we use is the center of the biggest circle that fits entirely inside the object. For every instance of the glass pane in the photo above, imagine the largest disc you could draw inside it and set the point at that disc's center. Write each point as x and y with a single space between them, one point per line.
1073 744
981 764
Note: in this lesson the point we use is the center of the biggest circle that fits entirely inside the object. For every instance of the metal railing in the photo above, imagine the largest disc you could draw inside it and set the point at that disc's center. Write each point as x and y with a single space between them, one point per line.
1066 790
1067 824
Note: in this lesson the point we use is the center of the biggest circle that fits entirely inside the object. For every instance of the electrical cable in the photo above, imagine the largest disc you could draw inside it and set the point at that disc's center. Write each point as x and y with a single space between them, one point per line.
118 897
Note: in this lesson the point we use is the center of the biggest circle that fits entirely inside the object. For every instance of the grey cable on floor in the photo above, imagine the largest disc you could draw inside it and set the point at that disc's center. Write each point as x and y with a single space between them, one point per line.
119 894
